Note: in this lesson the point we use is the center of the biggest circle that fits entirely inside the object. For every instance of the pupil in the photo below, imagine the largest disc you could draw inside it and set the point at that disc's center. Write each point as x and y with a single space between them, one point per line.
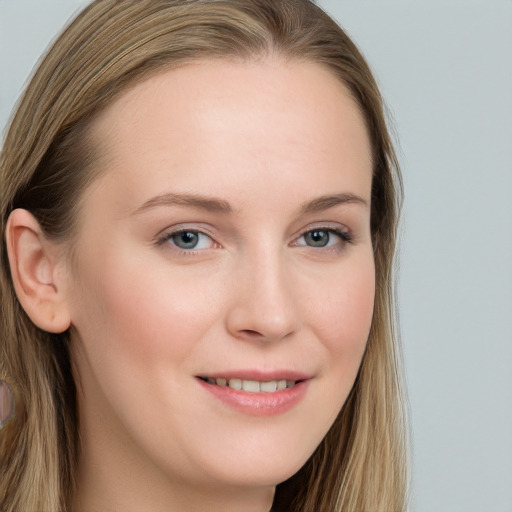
186 240
317 238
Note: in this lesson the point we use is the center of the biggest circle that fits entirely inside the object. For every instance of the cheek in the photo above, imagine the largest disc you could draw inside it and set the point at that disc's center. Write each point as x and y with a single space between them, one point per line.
146 334
344 315
150 316
152 320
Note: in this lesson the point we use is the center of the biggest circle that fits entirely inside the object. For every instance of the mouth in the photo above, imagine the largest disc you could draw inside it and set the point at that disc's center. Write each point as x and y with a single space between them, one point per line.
252 386
257 393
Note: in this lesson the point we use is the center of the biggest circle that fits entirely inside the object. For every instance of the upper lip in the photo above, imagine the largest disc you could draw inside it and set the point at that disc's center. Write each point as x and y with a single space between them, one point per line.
258 375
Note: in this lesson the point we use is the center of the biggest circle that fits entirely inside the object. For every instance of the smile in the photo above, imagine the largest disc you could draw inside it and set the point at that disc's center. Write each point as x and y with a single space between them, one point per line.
265 397
252 386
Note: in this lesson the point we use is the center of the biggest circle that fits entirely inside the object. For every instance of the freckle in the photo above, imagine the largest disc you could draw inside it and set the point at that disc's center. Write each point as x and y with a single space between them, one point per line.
6 403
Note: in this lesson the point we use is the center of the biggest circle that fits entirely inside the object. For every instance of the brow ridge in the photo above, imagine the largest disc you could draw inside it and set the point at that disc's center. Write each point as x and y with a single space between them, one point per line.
210 204
217 205
330 201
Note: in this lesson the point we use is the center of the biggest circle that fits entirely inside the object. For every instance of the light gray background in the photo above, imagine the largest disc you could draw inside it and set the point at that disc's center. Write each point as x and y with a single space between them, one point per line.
445 69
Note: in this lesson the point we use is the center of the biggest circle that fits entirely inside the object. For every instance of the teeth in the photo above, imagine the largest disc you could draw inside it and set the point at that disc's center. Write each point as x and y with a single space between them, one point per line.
235 383
252 386
268 387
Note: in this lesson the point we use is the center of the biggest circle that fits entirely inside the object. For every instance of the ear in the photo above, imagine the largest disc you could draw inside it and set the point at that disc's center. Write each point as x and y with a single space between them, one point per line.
36 270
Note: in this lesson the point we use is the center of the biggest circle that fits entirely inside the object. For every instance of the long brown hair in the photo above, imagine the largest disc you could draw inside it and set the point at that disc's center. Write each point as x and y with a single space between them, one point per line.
45 165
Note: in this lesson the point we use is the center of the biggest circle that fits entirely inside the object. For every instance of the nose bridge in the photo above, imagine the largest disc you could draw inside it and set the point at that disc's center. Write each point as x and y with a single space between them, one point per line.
265 303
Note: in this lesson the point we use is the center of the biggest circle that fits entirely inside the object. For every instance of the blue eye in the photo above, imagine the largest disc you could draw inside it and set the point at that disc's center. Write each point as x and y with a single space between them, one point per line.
189 240
320 238
317 238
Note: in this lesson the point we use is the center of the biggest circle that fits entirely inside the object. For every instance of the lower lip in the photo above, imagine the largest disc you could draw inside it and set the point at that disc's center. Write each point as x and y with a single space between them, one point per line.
258 404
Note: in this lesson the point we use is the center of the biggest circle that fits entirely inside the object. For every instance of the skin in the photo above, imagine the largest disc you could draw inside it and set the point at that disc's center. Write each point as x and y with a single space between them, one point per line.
265 138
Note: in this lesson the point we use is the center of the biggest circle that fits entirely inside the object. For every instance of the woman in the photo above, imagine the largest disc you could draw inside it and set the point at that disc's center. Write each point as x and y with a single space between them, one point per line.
199 207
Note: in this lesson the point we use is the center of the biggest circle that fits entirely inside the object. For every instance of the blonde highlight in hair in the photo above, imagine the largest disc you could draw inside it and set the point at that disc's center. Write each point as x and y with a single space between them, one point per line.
46 164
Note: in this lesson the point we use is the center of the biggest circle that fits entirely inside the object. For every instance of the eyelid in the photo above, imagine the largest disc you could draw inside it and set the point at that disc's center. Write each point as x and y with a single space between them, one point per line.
198 227
338 230
335 227
165 235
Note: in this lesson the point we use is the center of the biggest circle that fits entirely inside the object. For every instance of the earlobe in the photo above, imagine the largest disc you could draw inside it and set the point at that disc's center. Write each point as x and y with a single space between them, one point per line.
34 263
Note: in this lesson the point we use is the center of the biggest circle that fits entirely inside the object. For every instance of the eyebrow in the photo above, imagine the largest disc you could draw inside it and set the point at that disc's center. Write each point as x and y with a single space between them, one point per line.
330 201
209 204
217 205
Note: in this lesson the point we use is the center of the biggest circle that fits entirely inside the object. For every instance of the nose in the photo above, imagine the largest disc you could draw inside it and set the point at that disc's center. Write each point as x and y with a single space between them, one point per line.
264 306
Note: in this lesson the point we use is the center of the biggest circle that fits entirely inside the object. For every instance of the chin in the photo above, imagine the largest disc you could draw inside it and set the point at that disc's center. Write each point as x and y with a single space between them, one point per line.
260 473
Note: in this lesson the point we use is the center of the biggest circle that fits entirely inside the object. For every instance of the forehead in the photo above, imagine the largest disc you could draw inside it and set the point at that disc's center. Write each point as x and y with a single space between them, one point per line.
211 123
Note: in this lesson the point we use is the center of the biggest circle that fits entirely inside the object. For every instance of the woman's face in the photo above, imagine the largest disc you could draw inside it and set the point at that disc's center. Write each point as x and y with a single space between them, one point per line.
226 244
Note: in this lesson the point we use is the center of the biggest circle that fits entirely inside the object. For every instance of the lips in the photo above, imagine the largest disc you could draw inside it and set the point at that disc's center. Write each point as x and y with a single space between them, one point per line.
257 393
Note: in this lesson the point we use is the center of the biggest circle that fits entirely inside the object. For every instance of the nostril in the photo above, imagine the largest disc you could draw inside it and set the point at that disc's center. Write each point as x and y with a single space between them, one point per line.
251 333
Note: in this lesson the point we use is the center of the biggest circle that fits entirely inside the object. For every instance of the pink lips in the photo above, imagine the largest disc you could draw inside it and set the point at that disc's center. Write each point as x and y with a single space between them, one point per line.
259 403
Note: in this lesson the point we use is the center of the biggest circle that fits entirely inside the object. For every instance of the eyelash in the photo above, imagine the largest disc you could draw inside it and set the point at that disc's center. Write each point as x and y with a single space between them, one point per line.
167 238
344 235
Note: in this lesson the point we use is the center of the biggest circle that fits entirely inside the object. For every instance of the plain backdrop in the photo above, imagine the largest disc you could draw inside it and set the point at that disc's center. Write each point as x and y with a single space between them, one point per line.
445 70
